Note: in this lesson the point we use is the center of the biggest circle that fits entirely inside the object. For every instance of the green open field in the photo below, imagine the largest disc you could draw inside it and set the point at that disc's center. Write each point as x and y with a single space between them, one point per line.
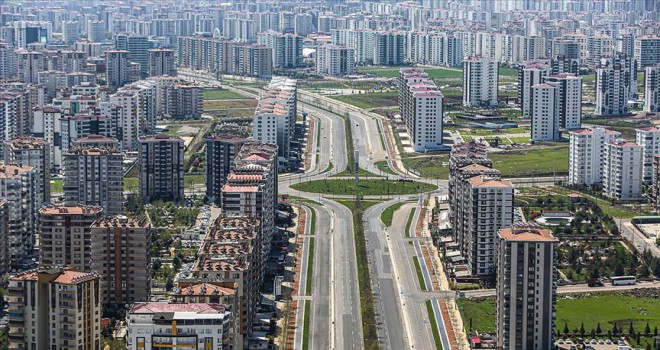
429 166
545 161
56 186
384 167
604 308
365 188
221 94
371 100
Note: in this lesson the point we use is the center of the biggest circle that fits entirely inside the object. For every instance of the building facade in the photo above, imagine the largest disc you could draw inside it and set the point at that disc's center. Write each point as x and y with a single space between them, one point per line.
161 168
35 153
526 288
652 89
420 106
17 189
55 307
586 159
480 81
622 171
120 255
65 235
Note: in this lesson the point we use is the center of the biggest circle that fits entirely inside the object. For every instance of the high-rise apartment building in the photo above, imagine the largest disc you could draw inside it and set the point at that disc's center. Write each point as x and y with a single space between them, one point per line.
4 240
622 171
55 307
544 113
599 46
420 106
487 206
64 235
655 200
652 89
526 288
161 168
95 176
220 155
138 47
569 102
647 51
28 65
117 67
32 152
161 62
335 60
17 189
480 77
649 139
286 48
275 117
96 31
530 74
120 254
616 80
586 158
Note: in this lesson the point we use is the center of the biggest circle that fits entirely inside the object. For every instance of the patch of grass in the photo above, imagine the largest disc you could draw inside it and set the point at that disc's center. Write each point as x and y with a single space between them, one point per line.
56 186
520 139
384 167
230 104
531 162
606 206
434 325
508 72
367 187
387 214
431 167
131 184
310 267
367 303
329 168
420 277
411 215
195 179
370 100
361 172
604 308
306 321
380 136
221 94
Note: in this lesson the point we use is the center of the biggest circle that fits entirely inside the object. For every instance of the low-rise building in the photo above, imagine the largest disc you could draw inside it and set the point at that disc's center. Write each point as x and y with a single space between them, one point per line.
158 325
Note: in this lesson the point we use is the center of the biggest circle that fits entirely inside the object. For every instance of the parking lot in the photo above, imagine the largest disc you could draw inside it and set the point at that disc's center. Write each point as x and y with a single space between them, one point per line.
600 344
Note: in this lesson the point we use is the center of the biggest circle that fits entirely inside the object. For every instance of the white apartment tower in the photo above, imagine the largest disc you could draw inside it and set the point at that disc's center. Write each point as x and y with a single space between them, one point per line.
480 77
530 74
335 60
32 152
649 139
544 113
569 90
622 171
420 105
526 288
161 62
586 158
616 80
647 51
652 90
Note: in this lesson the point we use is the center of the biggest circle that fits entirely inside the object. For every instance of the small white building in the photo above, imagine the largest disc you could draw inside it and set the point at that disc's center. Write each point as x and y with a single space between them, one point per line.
185 325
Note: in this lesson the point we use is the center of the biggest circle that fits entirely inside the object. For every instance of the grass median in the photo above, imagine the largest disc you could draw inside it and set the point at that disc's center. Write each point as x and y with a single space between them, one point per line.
367 303
388 214
411 215
369 187
306 322
310 267
420 277
434 325
384 167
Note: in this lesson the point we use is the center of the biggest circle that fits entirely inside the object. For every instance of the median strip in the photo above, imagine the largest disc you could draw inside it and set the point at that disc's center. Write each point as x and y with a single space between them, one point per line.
420 277
306 321
409 223
434 325
310 267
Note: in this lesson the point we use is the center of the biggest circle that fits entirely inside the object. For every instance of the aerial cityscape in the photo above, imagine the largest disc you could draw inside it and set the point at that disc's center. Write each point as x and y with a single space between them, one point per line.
330 174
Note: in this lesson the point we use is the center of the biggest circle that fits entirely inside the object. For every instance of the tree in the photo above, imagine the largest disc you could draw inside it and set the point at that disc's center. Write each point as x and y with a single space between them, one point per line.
566 328
631 330
615 330
582 329
176 262
156 265
647 329
598 330
644 271
655 331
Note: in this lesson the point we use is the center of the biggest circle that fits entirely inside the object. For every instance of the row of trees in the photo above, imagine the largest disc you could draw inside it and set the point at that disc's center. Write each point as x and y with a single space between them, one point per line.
616 331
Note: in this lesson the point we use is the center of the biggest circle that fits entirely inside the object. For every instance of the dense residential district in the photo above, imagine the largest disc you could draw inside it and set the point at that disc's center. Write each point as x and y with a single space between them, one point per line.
330 174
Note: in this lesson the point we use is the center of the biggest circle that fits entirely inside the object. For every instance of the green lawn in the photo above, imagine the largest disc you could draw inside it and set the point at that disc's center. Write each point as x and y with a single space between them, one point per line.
508 72
310 268
221 94
361 172
520 139
531 162
367 303
56 186
411 215
436 73
420 277
387 214
431 167
131 184
371 100
384 167
306 322
434 325
590 309
365 187
194 179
